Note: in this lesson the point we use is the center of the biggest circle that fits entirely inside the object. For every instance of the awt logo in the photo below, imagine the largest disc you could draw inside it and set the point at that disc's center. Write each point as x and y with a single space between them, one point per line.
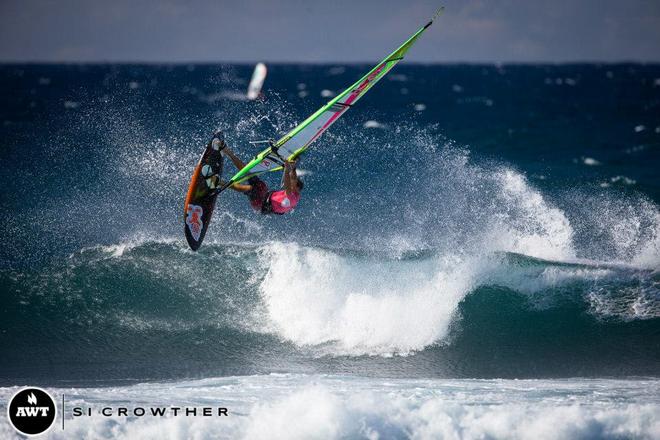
32 411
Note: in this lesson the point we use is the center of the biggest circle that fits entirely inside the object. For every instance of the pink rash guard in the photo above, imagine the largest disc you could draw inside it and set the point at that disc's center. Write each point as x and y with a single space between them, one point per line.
281 203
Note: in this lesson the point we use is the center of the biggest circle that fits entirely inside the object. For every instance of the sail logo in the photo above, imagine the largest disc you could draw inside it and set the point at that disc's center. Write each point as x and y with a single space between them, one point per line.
194 220
31 411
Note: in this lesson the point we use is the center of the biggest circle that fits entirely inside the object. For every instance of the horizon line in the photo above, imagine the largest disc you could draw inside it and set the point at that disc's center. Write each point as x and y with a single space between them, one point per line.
322 63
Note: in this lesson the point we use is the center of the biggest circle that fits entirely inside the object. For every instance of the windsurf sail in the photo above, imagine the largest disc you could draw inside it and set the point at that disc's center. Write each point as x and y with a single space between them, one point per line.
257 81
298 140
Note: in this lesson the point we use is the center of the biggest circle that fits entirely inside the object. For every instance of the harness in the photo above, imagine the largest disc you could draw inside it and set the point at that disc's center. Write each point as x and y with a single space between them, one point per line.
267 207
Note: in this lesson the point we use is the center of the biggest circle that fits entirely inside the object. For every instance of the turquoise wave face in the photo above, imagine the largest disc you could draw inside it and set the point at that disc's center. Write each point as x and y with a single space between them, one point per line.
460 221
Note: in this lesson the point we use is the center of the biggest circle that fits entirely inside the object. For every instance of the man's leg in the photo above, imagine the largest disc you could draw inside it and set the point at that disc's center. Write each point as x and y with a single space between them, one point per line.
239 187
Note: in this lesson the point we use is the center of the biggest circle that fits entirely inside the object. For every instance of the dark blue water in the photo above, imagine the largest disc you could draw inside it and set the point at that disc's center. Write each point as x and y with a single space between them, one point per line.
460 221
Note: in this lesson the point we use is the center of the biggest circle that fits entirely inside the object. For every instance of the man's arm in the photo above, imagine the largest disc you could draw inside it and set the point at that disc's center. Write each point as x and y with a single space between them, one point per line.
290 178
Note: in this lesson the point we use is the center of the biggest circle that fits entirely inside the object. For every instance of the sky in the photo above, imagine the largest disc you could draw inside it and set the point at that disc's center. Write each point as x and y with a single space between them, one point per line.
175 31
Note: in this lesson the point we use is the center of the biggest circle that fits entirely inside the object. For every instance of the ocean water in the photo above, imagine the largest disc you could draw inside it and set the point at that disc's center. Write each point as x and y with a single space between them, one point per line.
476 253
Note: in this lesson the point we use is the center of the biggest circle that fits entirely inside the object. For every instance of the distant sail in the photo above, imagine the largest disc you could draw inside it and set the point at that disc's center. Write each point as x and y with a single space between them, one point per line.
257 81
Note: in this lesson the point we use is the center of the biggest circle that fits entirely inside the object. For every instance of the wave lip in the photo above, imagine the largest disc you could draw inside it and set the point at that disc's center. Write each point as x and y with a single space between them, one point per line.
315 297
351 304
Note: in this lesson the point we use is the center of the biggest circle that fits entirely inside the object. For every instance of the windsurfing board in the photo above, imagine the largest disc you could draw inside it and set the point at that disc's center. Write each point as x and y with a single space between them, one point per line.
202 194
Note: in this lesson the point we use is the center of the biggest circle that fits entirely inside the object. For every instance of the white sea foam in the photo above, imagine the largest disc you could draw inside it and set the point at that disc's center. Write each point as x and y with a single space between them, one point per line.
336 70
590 161
623 179
400 77
314 296
331 407
627 230
527 223
373 124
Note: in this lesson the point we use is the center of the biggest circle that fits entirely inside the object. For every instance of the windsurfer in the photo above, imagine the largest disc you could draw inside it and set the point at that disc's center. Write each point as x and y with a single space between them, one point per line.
261 199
